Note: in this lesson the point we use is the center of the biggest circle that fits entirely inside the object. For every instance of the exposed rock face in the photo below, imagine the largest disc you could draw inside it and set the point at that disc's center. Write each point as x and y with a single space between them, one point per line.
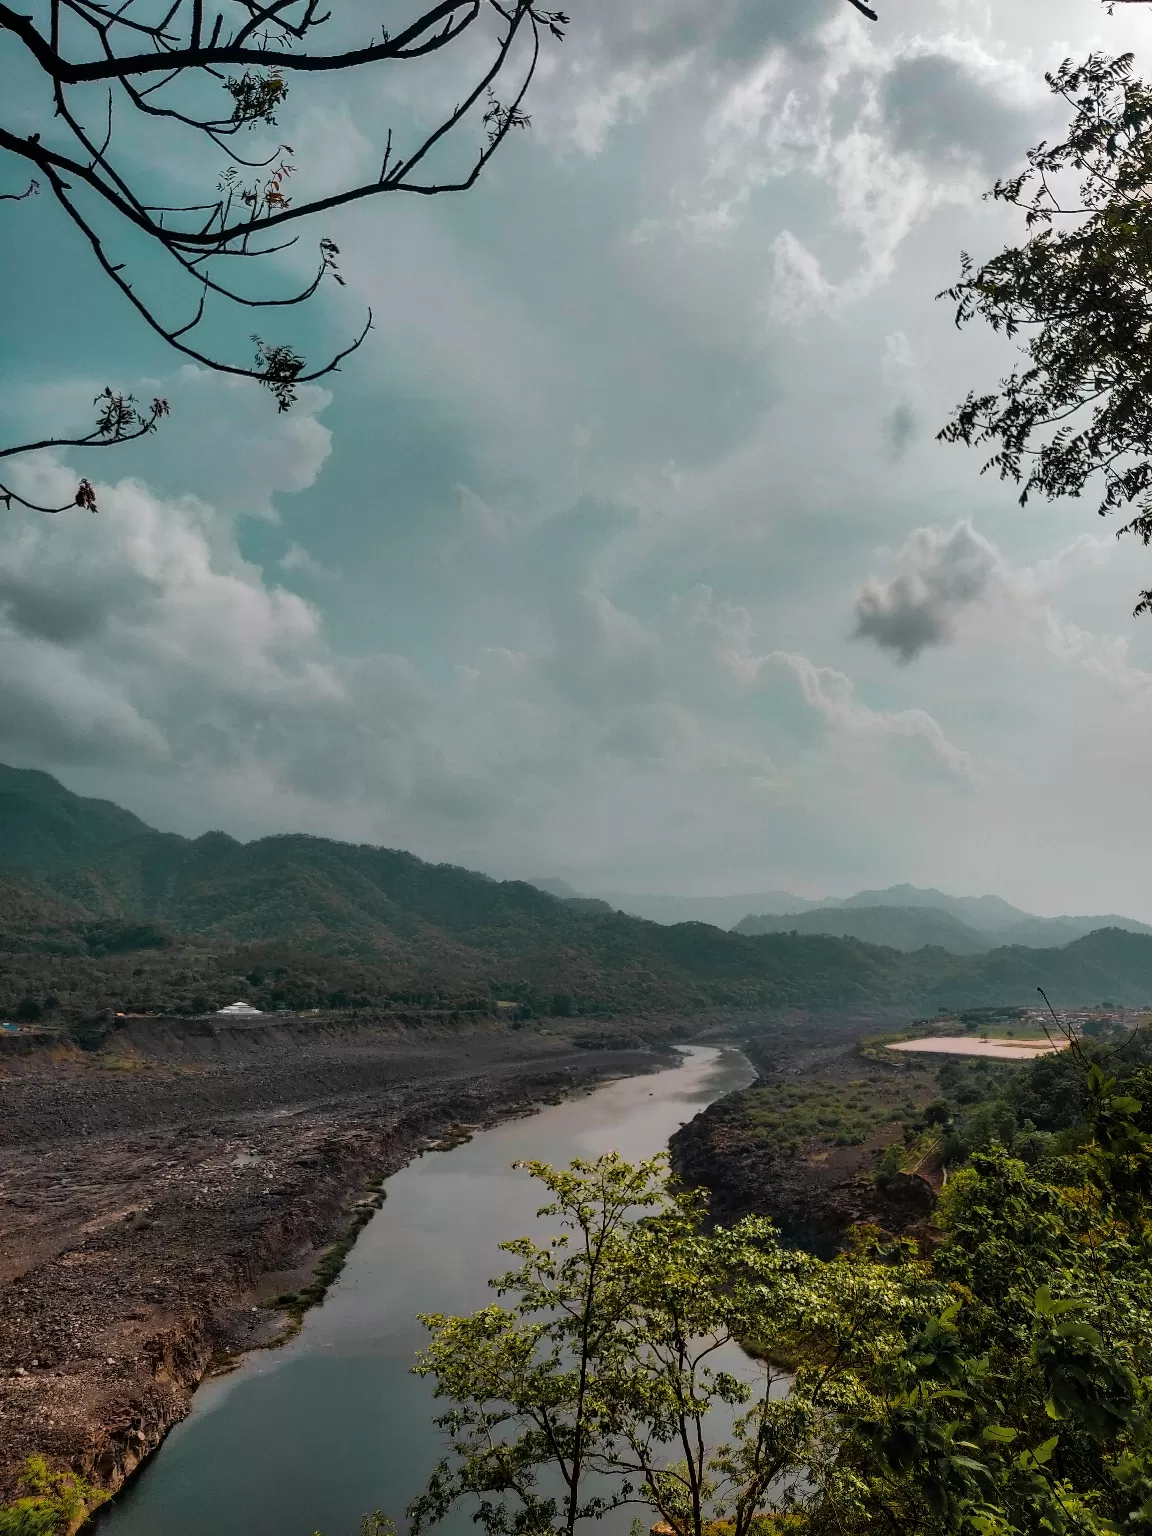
134 1424
813 1197
146 1213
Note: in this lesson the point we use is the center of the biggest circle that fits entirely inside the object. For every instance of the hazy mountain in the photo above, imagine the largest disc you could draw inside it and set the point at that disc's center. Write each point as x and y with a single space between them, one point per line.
559 888
987 912
996 918
1043 932
99 910
906 928
720 911
978 922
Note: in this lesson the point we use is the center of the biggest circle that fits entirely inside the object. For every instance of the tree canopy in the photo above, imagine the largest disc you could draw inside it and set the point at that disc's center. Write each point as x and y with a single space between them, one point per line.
1078 292
996 1381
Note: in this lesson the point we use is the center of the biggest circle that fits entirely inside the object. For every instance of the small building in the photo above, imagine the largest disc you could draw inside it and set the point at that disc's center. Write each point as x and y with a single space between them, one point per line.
235 1010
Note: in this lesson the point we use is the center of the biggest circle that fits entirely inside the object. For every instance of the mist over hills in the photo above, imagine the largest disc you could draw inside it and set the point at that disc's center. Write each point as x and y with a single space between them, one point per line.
904 928
990 913
99 910
978 923
721 911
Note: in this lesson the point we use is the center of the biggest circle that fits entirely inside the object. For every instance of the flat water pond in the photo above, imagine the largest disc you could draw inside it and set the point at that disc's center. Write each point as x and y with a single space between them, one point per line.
312 1436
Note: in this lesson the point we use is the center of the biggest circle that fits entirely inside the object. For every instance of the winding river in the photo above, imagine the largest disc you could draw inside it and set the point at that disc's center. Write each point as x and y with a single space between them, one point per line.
311 1436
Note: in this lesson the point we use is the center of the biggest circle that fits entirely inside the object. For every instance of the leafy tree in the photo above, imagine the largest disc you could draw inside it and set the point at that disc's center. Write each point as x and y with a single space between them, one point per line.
525 1379
998 1385
1079 293
602 1367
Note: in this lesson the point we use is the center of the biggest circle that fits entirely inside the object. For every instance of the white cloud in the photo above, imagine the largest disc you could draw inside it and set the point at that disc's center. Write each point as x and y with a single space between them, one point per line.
637 415
141 641
297 558
799 288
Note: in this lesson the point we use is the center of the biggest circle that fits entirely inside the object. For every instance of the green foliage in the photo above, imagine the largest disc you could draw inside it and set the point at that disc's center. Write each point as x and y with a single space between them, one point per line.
524 1379
1079 291
53 1502
105 913
602 1364
792 1115
332 1261
1037 1110
998 1385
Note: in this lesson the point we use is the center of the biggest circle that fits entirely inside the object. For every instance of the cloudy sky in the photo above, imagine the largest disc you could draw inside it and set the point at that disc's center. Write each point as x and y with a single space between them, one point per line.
624 550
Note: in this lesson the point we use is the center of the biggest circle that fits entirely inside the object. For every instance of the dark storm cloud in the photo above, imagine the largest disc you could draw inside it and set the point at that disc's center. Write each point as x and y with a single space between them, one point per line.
901 429
939 572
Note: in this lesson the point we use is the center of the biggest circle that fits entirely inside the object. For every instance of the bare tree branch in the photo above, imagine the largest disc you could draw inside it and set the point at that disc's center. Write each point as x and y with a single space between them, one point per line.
119 419
218 71
18 197
85 497
178 65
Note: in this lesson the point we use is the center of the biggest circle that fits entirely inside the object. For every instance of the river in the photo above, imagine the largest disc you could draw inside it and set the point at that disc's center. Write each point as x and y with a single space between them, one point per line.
311 1436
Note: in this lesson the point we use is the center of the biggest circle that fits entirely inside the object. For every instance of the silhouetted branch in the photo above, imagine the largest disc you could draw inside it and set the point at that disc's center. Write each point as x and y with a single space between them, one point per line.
119 419
221 69
18 197
85 497
245 55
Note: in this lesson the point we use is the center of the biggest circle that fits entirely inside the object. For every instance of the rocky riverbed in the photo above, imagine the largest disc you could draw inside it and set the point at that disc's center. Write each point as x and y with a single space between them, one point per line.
156 1197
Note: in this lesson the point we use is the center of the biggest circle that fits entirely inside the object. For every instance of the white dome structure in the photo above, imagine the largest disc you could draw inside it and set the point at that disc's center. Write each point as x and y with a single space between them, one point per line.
234 1009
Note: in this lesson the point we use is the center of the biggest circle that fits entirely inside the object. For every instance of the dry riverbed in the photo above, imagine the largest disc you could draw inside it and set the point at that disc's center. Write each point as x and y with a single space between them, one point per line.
153 1202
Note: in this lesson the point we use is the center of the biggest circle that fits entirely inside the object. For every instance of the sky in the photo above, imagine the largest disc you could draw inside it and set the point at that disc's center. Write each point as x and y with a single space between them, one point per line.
623 552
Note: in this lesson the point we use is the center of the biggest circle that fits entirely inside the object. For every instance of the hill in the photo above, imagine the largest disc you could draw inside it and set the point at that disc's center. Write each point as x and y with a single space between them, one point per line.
721 911
991 919
98 910
904 928
987 912
1001 922
45 828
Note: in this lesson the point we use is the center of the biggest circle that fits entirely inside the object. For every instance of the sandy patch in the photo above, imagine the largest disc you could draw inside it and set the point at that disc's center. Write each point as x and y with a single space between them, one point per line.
965 1045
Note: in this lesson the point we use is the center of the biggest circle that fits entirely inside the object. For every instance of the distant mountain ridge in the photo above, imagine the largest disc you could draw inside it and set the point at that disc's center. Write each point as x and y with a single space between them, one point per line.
720 911
984 922
99 910
904 928
990 913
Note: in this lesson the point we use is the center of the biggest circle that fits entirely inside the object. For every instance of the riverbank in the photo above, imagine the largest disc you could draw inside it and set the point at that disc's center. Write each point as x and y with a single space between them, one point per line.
804 1144
153 1203
311 1436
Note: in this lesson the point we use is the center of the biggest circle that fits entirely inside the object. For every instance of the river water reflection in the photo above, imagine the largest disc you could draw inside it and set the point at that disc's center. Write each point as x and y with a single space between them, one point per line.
311 1436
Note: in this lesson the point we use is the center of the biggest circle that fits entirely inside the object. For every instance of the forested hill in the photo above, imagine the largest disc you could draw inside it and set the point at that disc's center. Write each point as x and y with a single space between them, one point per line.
905 928
97 909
